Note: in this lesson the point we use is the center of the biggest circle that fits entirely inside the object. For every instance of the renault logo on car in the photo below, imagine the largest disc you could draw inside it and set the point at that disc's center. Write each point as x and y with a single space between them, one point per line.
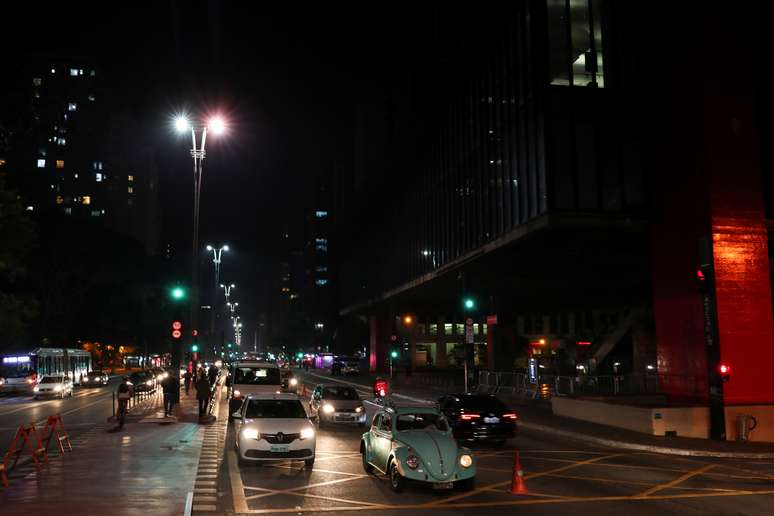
280 437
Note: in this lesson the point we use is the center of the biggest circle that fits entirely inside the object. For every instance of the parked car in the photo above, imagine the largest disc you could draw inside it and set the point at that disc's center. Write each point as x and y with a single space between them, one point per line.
337 403
272 427
53 385
416 444
94 379
478 417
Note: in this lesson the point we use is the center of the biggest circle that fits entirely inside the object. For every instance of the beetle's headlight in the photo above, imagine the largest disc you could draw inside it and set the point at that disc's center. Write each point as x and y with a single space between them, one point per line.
237 394
412 461
307 433
466 461
149 382
358 409
35 389
328 408
251 433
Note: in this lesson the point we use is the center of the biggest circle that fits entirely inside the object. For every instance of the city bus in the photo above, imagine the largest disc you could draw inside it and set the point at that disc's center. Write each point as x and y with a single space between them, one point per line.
21 371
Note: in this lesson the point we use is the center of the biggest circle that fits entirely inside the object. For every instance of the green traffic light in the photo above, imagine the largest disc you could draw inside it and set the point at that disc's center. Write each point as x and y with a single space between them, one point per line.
469 303
177 293
394 354
194 348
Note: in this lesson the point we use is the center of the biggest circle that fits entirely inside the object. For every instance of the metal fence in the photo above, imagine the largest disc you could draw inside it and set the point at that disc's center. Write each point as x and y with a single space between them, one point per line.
546 385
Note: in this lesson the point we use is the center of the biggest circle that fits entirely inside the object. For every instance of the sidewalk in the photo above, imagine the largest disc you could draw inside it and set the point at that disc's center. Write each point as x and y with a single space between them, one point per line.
144 468
536 416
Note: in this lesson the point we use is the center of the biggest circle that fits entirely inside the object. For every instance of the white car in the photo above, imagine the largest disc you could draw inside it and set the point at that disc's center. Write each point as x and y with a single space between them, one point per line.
50 385
271 427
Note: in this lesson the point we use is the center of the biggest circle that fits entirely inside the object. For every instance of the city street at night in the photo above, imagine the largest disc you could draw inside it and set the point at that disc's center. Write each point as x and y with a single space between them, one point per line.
273 258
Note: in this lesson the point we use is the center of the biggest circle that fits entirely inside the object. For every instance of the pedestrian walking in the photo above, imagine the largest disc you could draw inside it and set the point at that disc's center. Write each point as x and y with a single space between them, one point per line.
202 393
124 393
187 377
171 387
212 375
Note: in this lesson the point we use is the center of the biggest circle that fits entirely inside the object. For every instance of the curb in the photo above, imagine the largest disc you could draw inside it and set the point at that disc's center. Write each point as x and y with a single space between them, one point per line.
610 443
664 450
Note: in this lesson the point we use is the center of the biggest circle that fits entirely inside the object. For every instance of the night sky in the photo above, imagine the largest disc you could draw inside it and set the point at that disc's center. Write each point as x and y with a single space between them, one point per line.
284 77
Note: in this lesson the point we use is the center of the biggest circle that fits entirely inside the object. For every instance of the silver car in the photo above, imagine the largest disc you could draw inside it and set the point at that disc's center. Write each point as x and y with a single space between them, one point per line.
337 403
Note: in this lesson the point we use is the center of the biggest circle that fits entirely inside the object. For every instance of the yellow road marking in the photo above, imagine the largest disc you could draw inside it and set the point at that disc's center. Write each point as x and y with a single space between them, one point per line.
676 481
508 503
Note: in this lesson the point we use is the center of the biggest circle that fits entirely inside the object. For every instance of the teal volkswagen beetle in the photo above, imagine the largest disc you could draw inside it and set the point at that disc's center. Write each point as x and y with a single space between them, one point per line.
416 444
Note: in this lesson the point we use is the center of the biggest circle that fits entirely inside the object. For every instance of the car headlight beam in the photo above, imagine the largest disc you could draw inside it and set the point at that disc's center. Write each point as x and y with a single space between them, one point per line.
293 382
466 460
307 433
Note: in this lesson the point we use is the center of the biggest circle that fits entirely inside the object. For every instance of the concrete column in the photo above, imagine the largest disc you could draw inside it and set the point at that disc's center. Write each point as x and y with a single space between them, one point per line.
440 345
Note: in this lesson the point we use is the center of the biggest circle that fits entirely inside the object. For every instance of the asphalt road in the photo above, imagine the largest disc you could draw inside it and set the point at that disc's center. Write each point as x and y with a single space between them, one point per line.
87 406
561 477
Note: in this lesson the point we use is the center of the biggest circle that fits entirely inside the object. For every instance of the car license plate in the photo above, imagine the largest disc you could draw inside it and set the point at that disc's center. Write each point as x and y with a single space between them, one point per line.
443 485
491 420
279 449
344 418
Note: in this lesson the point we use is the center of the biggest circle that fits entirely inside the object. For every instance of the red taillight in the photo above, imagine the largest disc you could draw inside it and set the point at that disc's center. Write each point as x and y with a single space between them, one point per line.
468 417
511 415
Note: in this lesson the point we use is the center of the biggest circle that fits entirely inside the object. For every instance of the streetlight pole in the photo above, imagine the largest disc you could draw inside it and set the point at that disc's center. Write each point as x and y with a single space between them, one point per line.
198 154
216 254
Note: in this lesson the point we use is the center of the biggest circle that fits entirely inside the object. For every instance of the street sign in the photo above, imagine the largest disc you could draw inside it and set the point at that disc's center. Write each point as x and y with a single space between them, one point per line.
491 319
468 331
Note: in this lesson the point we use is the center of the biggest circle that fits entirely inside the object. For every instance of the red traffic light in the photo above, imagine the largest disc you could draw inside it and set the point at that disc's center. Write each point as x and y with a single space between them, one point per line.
195 333
176 334
177 328
724 369
177 325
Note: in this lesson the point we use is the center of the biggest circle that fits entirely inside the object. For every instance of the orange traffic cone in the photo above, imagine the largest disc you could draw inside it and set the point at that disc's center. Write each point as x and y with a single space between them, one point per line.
517 482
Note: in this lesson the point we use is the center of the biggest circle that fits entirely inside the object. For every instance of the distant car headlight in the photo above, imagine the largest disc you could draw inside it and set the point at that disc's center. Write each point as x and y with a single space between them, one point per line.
307 433
466 461
412 461
2 381
251 433
86 379
165 375
328 408
35 389
237 394
358 409
149 382
57 388
293 382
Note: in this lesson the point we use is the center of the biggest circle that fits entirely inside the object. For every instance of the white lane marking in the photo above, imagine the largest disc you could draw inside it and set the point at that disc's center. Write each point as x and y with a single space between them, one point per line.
237 489
35 404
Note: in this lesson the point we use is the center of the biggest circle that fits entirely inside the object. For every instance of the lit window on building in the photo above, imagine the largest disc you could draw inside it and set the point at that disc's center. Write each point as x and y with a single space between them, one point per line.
476 328
53 70
130 189
460 329
93 73
320 282
68 211
575 43
37 94
99 165
41 163
321 268
30 208
130 178
96 213
433 329
72 106
92 97
75 176
61 141
59 199
37 81
321 244
80 71
447 329
285 289
321 214
319 326
86 199
73 72
98 177
42 151
60 163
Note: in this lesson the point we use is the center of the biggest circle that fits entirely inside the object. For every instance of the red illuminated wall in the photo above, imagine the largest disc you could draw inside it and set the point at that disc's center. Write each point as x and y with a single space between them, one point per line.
710 183
379 326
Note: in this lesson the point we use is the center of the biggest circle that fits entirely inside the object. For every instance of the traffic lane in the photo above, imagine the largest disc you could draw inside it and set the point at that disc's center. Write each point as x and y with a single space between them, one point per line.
86 407
560 476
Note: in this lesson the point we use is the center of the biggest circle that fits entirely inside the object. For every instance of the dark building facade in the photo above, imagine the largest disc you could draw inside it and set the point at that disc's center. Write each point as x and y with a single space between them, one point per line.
547 173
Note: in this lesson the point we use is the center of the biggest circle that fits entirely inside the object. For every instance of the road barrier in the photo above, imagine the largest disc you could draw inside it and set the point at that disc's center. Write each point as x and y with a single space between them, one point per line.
24 436
55 425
